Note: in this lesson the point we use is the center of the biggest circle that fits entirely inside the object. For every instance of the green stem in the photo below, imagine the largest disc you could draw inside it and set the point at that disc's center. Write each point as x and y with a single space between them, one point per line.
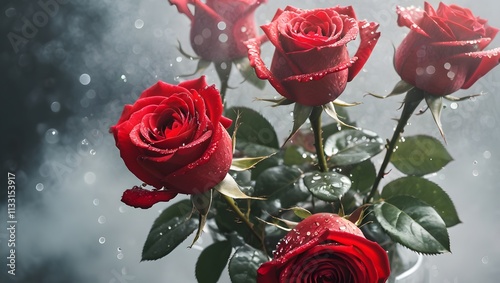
412 100
223 76
245 219
315 119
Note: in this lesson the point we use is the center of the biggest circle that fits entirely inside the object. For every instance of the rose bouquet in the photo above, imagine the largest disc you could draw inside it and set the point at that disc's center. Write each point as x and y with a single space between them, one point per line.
310 208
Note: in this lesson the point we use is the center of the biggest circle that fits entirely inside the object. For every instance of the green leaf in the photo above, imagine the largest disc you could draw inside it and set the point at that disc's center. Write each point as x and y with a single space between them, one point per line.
327 186
420 155
296 155
414 224
435 104
244 264
300 212
352 146
254 128
170 229
426 191
362 176
212 261
243 65
230 188
245 163
275 179
300 115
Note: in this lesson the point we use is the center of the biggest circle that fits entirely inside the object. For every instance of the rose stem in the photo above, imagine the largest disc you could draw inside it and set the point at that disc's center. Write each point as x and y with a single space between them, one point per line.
241 215
315 119
412 100
223 76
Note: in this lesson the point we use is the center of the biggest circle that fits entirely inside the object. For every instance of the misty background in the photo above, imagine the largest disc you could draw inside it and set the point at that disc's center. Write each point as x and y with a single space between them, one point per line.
65 81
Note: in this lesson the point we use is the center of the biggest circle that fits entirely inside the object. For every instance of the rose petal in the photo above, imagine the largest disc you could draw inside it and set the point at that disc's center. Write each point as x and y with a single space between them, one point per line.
489 59
410 17
261 70
141 198
368 36
206 172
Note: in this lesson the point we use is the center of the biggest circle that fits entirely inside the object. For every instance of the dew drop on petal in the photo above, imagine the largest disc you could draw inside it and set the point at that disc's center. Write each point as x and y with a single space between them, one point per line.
430 69
102 240
223 37
221 25
453 105
96 202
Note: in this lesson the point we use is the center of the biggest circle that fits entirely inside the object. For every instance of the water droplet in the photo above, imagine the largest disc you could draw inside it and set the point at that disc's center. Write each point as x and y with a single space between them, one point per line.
124 78
243 29
84 79
430 69
101 219
198 39
450 75
119 249
52 136
139 23
447 66
121 209
39 187
419 71
89 178
178 59
308 233
206 33
119 256
92 152
474 162
223 37
453 105
102 240
221 25
96 202
485 260
475 173
487 154
55 106
342 228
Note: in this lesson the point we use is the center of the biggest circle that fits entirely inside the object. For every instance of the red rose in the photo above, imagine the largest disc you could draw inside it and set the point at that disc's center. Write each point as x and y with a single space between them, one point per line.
311 64
173 138
219 27
444 50
326 248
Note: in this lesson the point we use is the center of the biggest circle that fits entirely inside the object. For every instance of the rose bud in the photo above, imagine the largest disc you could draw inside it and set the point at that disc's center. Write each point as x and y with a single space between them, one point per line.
174 138
219 27
443 52
325 247
311 64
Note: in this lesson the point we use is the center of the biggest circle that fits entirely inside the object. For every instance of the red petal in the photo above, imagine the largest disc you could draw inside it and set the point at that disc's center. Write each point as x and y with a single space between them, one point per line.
261 70
411 17
369 37
182 7
141 198
489 59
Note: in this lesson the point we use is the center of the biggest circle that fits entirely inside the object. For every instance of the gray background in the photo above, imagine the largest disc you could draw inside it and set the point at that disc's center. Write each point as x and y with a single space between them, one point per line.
70 176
